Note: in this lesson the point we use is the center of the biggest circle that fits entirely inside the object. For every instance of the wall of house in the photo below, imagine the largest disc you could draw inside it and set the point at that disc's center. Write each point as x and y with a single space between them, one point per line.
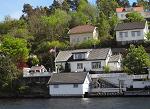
78 38
86 85
65 90
122 15
87 65
130 37
140 84
114 66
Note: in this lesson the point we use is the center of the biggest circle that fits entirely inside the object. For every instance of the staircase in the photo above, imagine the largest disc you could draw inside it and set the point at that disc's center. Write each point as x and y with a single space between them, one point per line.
106 84
103 87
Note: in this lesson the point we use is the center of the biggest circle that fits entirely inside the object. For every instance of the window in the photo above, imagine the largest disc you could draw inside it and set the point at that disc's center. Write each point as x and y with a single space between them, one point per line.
126 34
123 34
56 86
122 15
80 56
75 85
78 40
79 65
120 34
133 33
96 65
85 38
136 33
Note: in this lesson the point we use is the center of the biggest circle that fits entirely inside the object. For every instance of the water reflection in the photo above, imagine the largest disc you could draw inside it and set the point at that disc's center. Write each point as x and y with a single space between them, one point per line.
77 103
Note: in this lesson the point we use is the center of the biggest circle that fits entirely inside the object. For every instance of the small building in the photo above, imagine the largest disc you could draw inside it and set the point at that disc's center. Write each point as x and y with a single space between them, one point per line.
69 84
81 33
132 32
37 74
115 62
83 60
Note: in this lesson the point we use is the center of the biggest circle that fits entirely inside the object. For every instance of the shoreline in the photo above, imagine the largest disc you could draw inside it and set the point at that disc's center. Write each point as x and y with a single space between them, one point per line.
51 97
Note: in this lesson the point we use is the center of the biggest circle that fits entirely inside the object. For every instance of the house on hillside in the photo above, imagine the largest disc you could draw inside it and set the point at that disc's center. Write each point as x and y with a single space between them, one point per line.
81 33
69 84
37 74
132 32
83 59
122 12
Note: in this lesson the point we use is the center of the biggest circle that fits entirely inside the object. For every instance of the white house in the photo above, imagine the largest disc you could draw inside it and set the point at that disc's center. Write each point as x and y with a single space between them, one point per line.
132 32
84 59
122 12
81 33
36 74
69 84
115 62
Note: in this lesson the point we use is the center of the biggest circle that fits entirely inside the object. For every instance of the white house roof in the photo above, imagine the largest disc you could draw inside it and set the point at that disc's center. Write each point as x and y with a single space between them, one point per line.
67 78
130 26
94 54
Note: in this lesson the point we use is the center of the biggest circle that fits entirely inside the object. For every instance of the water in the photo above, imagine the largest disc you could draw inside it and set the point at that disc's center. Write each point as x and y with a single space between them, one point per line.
77 103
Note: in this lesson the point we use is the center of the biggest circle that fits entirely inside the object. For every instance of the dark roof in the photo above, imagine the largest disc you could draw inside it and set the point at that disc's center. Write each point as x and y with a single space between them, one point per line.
130 26
98 54
118 50
82 29
68 78
115 58
94 54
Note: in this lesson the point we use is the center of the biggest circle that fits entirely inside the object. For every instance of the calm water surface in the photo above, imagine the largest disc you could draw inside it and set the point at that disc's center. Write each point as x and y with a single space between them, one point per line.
77 103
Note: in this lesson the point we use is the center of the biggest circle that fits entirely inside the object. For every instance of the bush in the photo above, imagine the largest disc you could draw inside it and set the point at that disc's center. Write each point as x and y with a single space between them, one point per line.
88 43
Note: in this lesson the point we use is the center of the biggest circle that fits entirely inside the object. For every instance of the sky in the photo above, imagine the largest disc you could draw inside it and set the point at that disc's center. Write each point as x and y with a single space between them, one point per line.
14 8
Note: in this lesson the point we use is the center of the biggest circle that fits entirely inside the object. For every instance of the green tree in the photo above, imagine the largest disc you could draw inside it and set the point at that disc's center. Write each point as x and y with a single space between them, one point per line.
15 48
103 27
108 7
134 17
9 74
33 60
136 60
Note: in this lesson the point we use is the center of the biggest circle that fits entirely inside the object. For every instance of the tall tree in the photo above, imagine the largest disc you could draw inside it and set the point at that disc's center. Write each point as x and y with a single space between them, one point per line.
103 27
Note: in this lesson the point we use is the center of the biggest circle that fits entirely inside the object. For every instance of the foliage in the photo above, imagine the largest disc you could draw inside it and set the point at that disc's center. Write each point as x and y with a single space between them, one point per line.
8 74
106 69
88 43
136 60
33 60
106 6
103 27
148 36
134 17
15 48
58 45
